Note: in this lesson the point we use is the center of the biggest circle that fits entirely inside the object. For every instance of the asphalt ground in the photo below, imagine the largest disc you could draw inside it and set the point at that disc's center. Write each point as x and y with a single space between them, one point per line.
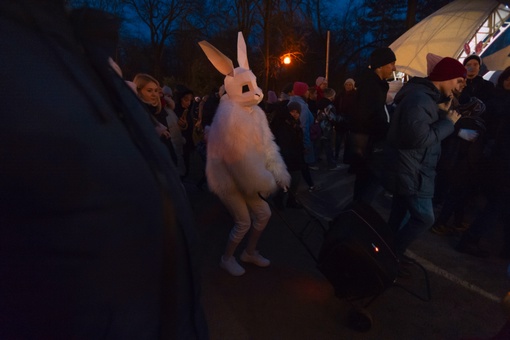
291 299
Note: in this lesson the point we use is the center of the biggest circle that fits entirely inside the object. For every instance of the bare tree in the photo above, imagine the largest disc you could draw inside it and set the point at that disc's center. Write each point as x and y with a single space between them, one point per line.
111 6
411 13
163 19
283 31
245 12
159 36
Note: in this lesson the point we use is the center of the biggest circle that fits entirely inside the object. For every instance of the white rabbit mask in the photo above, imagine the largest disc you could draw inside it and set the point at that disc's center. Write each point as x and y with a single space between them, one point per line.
240 82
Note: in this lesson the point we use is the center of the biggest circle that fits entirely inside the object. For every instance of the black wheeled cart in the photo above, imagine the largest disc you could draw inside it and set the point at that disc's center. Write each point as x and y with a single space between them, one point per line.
356 256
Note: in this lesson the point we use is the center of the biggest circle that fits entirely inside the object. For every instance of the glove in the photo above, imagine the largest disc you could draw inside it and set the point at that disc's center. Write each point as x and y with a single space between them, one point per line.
467 134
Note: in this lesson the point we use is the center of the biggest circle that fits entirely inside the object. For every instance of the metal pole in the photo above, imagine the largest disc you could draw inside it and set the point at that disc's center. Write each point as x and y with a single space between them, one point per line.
327 55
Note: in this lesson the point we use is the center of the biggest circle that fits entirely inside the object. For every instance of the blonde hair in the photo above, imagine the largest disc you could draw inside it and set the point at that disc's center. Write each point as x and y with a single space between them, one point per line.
141 80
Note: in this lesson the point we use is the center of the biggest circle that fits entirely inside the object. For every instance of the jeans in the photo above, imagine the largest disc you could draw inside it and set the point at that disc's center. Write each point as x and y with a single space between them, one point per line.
325 144
339 140
410 217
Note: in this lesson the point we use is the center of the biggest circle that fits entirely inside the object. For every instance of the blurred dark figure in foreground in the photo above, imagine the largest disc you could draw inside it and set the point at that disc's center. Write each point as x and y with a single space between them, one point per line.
494 175
96 237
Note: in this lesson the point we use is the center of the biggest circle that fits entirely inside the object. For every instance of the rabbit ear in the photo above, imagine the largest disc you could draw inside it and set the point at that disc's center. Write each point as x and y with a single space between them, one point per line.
220 61
242 57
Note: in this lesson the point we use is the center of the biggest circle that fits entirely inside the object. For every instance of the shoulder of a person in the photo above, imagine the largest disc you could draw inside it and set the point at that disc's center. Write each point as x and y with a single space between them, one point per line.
489 84
417 94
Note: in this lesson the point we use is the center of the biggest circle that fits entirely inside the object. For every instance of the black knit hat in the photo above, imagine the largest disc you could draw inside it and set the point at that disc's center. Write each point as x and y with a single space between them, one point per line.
381 56
472 56
294 106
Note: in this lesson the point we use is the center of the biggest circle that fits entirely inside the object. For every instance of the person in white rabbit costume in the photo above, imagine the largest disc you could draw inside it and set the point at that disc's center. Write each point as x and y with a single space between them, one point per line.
243 160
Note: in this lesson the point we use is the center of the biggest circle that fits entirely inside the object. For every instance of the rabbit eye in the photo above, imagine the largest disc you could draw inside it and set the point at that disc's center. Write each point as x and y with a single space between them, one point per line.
246 88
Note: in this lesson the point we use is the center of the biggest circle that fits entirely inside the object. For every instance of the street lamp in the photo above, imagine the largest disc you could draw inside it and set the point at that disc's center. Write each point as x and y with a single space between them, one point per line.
289 57
286 59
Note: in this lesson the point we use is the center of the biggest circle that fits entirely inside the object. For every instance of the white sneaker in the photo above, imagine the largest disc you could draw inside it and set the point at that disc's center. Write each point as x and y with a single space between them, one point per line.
231 266
339 167
256 259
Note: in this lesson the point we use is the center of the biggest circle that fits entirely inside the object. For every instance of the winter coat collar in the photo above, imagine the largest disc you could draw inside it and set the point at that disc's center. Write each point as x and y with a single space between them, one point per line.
420 84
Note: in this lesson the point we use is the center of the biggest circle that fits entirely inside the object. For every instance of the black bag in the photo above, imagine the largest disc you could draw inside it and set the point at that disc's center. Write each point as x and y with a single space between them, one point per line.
357 254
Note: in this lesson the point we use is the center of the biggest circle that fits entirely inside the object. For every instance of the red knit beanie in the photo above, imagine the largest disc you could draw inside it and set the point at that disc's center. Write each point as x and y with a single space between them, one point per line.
448 68
299 88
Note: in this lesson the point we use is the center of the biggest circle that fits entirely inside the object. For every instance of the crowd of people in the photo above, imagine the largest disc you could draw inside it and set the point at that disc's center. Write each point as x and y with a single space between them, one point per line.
94 217
435 144
352 130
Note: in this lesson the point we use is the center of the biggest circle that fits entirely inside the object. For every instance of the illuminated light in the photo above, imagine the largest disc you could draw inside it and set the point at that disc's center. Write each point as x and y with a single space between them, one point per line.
290 57
376 248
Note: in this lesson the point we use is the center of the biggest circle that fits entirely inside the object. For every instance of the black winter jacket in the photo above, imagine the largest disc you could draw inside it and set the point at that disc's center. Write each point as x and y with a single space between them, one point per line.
370 117
289 137
497 167
477 87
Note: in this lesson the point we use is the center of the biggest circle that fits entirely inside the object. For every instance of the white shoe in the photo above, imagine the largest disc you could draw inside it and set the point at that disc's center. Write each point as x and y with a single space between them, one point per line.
256 259
339 167
231 266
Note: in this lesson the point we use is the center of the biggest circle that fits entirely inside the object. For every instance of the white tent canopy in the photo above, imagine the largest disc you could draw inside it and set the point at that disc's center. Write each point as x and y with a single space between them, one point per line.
456 30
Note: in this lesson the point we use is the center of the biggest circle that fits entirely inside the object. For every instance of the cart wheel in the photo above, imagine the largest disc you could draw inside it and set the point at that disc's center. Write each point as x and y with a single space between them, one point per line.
360 320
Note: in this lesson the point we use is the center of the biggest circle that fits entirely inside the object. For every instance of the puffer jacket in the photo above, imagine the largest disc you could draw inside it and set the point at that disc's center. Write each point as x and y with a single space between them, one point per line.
414 139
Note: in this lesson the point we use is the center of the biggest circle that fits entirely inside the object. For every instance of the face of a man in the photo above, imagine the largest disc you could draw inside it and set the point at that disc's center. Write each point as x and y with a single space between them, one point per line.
457 91
472 68
386 71
452 86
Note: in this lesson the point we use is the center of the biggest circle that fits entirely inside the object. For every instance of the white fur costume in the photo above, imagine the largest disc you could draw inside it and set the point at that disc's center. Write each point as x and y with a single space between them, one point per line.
242 158
241 153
